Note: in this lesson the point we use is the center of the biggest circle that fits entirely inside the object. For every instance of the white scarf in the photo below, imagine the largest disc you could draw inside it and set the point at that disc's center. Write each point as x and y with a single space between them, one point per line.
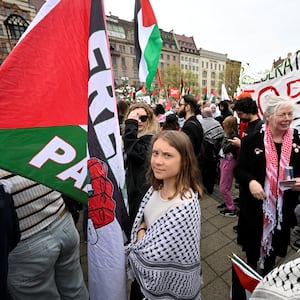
166 261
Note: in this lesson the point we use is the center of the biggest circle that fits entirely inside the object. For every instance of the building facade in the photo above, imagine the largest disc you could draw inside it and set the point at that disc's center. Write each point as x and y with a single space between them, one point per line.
207 66
212 75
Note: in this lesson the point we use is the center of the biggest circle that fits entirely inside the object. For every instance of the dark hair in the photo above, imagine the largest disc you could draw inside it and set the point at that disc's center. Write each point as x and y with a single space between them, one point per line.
195 107
246 105
171 122
159 109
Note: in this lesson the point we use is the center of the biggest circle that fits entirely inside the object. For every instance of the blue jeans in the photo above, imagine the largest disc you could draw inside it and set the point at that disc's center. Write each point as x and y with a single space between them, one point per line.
46 266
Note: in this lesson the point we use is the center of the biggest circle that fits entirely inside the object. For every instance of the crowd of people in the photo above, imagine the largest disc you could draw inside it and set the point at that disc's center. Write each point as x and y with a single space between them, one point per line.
171 158
229 141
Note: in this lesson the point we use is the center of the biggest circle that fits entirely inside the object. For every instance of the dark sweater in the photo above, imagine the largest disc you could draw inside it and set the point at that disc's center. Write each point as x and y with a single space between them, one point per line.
137 163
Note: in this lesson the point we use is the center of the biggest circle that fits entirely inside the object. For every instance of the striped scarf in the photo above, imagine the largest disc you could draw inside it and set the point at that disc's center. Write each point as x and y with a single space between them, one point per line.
272 205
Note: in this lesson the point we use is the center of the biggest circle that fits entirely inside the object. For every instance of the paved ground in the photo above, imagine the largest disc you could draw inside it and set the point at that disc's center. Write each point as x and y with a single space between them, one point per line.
217 243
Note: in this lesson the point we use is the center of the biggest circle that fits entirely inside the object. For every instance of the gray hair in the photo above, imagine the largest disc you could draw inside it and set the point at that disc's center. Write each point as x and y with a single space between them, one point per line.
273 102
206 112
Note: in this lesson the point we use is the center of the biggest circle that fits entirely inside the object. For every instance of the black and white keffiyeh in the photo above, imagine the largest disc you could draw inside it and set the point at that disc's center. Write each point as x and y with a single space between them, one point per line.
166 261
282 283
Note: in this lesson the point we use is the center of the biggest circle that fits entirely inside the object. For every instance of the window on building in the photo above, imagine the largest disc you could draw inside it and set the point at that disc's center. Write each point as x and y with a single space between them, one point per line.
7 11
116 75
123 61
114 60
206 65
1 30
131 36
213 75
204 82
115 30
122 48
204 74
4 49
15 26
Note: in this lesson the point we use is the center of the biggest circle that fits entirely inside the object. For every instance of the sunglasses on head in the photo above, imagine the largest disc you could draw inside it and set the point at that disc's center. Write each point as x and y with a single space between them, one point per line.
143 118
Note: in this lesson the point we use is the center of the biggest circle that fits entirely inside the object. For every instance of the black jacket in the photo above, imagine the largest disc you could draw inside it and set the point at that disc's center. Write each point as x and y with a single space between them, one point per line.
194 130
252 165
137 163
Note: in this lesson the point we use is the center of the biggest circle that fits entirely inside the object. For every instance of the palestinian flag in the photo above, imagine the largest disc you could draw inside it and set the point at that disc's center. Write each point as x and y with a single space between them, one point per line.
148 42
59 124
244 279
141 92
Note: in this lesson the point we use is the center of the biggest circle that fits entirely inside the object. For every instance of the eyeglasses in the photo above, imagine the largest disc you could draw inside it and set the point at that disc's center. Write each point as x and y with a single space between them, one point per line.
143 118
290 115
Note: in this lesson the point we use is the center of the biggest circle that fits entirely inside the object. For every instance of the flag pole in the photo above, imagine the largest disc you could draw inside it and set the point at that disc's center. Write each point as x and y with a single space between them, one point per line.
159 78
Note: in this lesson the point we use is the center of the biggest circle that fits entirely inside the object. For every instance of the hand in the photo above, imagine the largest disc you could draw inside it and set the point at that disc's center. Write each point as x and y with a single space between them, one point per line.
257 190
235 141
141 233
296 187
133 115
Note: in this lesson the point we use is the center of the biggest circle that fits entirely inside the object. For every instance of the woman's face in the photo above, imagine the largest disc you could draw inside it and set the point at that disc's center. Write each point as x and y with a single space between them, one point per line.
165 161
141 114
282 118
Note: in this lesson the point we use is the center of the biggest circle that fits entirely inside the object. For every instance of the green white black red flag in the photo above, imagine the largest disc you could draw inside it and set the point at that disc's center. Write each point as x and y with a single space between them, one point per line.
59 118
148 42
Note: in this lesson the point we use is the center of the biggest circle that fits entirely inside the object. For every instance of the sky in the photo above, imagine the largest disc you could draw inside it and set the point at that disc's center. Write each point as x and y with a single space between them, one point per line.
256 32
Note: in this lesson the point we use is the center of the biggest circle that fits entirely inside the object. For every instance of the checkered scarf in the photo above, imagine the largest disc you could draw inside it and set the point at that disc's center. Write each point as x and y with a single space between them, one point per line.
272 205
166 261
282 283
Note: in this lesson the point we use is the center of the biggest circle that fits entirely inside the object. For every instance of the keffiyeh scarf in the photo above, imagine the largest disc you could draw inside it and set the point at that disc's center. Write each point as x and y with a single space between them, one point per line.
272 205
282 283
166 261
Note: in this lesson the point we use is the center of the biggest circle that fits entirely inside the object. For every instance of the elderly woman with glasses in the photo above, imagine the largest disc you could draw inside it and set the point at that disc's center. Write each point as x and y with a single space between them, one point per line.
140 125
267 202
